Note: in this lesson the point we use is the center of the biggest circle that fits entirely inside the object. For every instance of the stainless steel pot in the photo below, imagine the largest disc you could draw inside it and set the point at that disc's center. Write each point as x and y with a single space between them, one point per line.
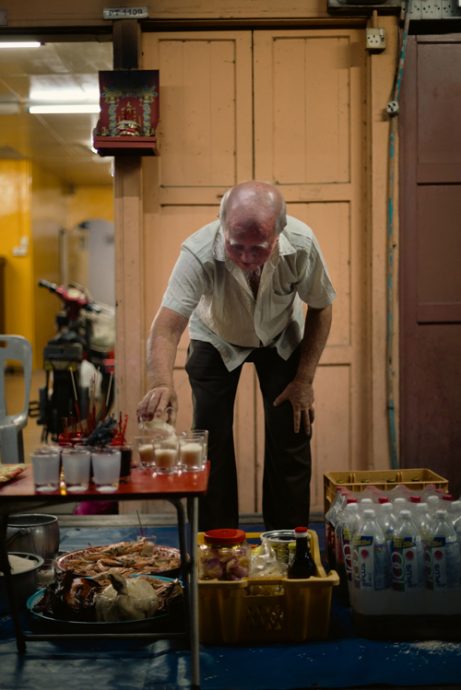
24 583
33 533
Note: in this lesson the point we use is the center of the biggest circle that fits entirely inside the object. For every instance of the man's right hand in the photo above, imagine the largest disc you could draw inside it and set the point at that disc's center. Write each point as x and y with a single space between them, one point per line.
159 402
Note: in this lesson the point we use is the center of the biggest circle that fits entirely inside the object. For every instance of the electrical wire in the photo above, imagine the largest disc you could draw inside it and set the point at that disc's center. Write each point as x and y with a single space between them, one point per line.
392 109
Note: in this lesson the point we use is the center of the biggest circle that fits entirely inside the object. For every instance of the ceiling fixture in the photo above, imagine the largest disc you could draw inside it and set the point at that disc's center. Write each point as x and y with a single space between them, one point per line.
20 44
63 108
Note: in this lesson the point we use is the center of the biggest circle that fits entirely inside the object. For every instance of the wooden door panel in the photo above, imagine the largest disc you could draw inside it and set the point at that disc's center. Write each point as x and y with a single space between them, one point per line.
430 300
333 427
439 134
164 233
309 90
331 223
437 285
205 126
303 87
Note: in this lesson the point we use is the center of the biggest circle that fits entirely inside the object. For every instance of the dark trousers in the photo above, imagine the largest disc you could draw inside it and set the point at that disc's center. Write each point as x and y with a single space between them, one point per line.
287 456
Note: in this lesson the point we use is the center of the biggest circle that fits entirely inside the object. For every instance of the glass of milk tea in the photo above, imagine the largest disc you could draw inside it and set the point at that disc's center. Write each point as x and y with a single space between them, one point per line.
165 454
193 450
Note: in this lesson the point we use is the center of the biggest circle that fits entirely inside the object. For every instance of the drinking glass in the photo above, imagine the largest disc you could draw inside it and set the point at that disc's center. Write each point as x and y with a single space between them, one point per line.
145 447
165 454
193 450
46 465
106 469
76 464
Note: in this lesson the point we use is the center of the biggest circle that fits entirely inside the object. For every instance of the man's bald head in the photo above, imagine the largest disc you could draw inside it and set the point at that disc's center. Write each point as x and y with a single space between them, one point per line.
252 216
254 202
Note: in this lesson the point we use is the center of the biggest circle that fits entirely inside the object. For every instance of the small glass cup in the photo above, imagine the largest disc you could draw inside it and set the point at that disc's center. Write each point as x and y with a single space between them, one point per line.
193 450
106 464
76 465
145 448
46 467
165 454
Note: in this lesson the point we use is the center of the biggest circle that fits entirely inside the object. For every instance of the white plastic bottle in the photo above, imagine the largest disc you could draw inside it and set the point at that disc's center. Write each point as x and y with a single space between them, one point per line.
331 517
442 554
350 526
433 503
455 518
365 503
413 501
454 510
388 523
340 520
423 520
407 555
369 554
386 519
399 503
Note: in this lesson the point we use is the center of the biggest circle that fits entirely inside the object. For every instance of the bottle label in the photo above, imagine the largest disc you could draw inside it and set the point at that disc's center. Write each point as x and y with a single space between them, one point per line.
330 540
406 563
338 545
369 563
347 552
442 563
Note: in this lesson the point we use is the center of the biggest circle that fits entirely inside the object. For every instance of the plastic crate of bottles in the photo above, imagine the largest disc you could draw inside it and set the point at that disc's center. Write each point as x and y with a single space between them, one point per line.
423 615
403 567
270 609
359 480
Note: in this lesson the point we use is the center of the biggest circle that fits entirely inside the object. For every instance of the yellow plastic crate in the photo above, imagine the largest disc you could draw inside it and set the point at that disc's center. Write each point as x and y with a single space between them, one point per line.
255 610
359 480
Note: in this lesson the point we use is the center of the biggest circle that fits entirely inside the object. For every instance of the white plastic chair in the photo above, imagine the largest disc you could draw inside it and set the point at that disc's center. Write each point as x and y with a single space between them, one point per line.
14 348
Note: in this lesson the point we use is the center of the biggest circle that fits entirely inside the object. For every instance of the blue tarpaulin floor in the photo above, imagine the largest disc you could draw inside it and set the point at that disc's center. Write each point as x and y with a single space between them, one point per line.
343 661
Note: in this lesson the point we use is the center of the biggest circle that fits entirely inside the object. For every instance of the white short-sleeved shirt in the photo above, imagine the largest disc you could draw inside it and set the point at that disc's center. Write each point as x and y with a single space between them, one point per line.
213 293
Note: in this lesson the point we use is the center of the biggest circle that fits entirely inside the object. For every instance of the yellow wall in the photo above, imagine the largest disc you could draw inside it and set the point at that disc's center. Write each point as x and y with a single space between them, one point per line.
35 208
16 236
48 214
55 211
90 203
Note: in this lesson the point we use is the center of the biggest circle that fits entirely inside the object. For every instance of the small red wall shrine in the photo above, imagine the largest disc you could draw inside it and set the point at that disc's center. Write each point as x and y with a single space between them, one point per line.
129 101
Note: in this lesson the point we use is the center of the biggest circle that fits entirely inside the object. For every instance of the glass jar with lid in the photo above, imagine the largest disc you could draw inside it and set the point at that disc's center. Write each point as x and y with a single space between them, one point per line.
225 555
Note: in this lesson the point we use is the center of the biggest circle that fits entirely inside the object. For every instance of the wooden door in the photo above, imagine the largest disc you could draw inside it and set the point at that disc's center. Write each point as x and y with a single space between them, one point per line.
284 107
430 311
309 139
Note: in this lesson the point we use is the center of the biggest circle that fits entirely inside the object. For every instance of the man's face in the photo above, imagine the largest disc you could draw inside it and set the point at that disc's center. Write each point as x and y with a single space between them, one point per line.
249 244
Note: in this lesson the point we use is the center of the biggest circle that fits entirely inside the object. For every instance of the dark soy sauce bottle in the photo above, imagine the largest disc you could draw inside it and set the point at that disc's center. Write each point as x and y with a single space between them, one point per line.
302 565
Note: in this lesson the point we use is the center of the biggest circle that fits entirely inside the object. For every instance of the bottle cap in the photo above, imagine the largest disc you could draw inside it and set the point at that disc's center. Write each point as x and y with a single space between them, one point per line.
225 536
301 531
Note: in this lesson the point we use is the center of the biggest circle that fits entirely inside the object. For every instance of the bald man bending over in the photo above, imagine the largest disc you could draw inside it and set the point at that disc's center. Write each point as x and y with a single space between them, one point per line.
241 282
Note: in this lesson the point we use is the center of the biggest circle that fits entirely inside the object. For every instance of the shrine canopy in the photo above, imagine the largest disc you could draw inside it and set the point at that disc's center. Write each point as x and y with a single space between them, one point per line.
129 102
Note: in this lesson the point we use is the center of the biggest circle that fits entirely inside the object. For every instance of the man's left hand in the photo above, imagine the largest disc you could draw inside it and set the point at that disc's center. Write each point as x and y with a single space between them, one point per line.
301 398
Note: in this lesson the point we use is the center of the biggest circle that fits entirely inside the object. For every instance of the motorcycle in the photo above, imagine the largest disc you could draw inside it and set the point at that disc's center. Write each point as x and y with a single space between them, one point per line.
79 365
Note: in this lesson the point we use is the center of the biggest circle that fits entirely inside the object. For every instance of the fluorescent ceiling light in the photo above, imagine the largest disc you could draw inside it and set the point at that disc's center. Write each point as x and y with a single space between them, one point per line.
64 108
20 44
63 94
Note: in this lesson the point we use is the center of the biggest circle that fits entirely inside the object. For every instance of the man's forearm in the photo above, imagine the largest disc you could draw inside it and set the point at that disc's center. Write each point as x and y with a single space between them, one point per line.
162 345
316 330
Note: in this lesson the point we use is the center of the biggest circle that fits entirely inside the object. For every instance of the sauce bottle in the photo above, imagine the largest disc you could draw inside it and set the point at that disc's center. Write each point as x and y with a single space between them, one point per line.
302 565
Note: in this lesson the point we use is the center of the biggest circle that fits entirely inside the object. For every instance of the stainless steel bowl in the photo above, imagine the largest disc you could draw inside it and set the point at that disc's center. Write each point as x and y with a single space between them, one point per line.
33 533
280 541
24 583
